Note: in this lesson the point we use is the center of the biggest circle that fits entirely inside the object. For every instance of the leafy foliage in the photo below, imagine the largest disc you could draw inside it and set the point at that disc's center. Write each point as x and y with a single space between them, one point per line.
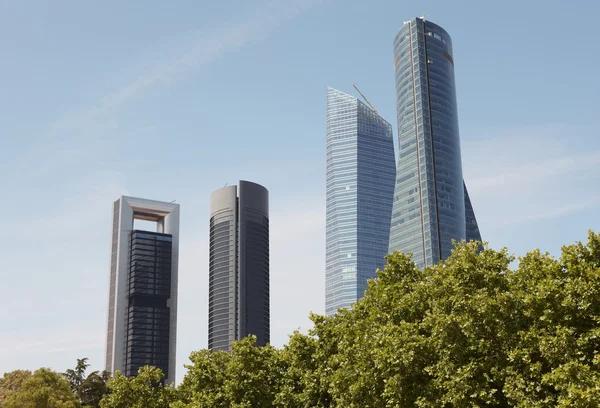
247 377
469 331
90 389
146 390
12 382
43 389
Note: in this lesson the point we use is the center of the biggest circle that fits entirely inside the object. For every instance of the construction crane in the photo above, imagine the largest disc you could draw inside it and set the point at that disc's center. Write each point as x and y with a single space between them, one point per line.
365 98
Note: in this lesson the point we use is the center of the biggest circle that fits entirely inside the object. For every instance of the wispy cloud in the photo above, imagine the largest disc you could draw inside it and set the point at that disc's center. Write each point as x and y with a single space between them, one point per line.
192 51
528 175
85 135
520 175
49 342
544 213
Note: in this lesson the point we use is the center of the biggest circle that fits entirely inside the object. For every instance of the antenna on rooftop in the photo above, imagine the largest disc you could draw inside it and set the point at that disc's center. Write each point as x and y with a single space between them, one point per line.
365 98
423 16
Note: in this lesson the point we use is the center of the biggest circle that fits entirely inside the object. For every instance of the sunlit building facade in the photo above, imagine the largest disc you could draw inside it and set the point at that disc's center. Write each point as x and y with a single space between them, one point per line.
431 205
360 185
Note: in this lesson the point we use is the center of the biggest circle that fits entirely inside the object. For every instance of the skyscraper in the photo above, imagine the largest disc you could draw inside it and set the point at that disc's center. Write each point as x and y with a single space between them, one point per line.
238 302
142 308
431 202
360 186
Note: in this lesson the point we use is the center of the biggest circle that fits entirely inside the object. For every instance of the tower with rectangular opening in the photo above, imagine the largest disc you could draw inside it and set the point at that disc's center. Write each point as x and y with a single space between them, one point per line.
142 309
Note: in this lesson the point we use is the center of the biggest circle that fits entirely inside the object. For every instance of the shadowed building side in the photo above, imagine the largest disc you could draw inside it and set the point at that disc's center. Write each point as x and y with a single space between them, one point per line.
472 227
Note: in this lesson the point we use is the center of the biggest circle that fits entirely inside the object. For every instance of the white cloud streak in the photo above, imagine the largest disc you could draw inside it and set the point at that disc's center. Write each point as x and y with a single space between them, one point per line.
544 213
84 133
527 175
198 49
522 175
57 341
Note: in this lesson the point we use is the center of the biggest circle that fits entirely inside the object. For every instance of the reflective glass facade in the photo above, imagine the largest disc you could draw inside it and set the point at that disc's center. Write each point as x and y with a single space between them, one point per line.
429 208
472 227
149 289
223 280
360 184
239 266
142 298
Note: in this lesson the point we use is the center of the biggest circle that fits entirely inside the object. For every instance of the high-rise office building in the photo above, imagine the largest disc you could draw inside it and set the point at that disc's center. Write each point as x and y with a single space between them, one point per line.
142 309
431 202
238 303
360 185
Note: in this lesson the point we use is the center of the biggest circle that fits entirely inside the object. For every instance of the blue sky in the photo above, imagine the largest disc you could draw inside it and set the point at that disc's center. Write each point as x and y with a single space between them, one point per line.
171 101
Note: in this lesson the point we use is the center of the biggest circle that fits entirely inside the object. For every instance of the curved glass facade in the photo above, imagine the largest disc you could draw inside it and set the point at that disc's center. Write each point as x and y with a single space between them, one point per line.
239 266
149 288
429 198
360 186
222 281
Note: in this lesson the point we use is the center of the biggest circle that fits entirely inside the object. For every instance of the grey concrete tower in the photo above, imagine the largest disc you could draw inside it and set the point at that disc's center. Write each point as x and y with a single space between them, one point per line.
142 305
238 265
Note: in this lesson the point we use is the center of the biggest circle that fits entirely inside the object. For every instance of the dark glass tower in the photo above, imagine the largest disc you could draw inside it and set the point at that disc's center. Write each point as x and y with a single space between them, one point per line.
360 185
142 302
148 316
431 203
239 265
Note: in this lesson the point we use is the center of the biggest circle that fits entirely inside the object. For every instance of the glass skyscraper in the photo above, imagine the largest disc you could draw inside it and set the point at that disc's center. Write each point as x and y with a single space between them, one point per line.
431 203
142 305
238 288
360 185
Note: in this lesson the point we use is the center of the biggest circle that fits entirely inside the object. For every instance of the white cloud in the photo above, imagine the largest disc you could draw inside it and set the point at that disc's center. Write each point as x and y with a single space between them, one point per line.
297 269
502 178
51 341
520 175
172 61
89 206
543 213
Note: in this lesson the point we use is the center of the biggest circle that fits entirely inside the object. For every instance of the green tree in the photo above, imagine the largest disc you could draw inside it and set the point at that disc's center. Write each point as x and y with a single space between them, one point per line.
469 331
555 354
43 389
246 377
12 382
146 390
94 388
90 389
76 377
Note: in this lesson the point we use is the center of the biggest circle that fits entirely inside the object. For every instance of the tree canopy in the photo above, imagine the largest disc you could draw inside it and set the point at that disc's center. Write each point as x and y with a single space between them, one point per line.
89 389
43 389
470 331
12 382
145 390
